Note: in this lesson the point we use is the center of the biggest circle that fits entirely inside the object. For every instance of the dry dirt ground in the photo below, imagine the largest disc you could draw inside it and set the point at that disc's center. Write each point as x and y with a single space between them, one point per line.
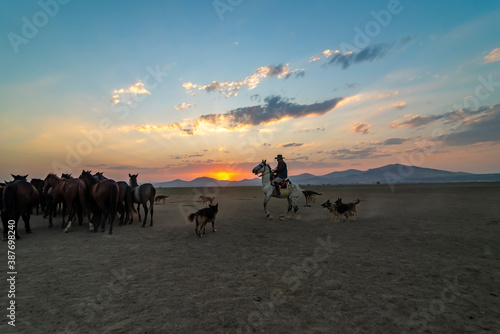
419 259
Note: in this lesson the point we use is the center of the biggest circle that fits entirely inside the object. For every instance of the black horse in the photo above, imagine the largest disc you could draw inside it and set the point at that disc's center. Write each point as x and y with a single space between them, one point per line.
141 194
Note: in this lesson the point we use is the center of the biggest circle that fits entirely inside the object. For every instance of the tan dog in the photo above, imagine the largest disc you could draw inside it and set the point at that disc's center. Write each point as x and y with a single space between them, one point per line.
207 200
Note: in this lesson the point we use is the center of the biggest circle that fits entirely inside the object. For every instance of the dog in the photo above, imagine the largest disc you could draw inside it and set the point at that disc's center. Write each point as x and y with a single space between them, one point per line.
206 200
348 208
332 207
161 198
204 216
310 196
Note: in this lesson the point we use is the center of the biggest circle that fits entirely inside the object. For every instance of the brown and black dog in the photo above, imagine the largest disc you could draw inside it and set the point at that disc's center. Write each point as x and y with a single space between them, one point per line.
350 208
204 216
332 207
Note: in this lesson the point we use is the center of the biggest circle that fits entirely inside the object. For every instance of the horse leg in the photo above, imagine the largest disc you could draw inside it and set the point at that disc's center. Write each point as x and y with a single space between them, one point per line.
26 219
145 206
151 211
266 199
139 211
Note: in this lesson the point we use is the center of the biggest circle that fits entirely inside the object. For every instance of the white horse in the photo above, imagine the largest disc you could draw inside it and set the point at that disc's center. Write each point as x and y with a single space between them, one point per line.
268 188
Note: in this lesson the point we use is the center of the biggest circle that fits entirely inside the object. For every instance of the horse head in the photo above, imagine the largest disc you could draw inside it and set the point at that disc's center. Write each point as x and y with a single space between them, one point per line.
133 180
259 168
66 176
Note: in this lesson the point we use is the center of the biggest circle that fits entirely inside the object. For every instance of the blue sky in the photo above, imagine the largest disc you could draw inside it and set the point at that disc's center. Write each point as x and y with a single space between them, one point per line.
181 89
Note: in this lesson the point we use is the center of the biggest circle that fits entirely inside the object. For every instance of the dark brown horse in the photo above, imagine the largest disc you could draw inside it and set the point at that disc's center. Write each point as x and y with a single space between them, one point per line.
18 199
103 198
125 206
72 193
141 194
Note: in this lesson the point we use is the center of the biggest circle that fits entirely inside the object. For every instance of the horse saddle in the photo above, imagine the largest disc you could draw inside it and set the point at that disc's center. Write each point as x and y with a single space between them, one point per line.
284 184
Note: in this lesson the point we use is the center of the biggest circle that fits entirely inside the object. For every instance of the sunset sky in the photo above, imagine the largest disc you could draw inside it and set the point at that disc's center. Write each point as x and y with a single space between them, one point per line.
183 89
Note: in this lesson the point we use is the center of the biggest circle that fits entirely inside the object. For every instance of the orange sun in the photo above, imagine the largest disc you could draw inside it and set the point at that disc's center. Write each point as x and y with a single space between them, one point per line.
222 175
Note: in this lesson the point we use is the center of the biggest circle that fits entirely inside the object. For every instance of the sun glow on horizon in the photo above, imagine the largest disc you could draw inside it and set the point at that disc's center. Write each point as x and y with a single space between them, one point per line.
223 175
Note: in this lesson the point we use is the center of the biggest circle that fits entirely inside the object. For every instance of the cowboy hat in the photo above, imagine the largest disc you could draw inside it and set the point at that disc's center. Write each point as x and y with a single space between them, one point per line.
279 157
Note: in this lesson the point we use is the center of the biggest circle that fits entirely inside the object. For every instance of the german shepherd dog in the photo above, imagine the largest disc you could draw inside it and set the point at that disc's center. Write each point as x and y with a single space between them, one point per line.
161 198
350 208
332 207
206 200
204 216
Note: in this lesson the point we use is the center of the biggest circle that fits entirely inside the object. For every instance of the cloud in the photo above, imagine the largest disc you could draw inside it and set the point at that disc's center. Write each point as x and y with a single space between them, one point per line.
493 56
358 153
394 141
400 105
386 95
125 94
361 127
229 88
412 121
274 110
480 127
367 54
292 145
183 106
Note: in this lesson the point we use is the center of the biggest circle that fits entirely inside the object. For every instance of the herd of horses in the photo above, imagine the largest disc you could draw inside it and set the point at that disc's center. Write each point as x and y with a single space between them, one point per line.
90 195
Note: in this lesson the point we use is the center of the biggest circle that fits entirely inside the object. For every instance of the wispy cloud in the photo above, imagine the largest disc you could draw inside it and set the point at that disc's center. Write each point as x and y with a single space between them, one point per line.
292 145
386 95
394 141
231 88
412 121
183 106
493 56
361 127
367 54
274 110
358 153
399 105
125 94
479 127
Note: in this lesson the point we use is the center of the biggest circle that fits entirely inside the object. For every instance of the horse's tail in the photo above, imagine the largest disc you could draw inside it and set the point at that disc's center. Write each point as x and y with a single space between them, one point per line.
113 201
152 196
129 201
9 200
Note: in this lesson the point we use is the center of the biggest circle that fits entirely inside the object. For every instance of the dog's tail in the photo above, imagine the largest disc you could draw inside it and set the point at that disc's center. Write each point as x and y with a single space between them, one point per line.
192 217
310 192
357 202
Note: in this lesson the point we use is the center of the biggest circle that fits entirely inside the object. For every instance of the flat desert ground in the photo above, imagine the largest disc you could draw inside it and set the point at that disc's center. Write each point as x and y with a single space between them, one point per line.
420 258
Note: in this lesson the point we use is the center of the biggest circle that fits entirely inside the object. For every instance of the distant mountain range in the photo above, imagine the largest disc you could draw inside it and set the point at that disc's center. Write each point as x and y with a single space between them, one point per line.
394 173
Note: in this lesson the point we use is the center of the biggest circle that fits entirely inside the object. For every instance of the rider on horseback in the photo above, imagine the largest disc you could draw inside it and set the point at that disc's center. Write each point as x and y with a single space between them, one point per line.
280 173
